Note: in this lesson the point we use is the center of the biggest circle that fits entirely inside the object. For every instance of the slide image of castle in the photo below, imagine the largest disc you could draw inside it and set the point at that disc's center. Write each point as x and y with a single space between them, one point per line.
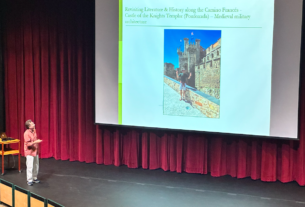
193 56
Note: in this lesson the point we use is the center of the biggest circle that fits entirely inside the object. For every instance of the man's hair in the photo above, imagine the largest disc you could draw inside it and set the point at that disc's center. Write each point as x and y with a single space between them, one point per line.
28 123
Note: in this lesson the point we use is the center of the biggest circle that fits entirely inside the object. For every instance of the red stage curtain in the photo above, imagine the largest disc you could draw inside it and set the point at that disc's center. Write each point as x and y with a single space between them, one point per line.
49 78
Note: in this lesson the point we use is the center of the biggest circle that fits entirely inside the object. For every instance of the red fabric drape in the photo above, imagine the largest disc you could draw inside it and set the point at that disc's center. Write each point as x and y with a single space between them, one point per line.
49 77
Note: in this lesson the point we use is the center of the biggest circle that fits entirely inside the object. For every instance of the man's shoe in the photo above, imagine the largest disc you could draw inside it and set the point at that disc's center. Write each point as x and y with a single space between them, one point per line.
30 183
36 181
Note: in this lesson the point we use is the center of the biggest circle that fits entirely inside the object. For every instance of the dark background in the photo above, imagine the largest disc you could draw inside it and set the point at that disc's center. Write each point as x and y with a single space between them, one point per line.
2 115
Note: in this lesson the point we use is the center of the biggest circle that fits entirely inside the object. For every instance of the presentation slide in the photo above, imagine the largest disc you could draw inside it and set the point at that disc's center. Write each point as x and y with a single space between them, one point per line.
213 66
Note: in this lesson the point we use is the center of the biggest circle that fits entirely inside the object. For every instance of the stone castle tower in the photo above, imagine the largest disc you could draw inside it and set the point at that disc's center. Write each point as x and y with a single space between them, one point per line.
207 72
204 64
192 55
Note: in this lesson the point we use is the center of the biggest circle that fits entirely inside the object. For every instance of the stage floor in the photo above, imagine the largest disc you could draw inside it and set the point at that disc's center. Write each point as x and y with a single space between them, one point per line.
76 184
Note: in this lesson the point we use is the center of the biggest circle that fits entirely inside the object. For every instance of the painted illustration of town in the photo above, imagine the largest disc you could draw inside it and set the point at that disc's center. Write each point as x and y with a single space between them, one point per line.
192 62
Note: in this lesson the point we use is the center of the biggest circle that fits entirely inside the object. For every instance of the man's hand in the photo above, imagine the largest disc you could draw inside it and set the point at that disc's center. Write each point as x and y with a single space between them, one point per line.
190 75
38 141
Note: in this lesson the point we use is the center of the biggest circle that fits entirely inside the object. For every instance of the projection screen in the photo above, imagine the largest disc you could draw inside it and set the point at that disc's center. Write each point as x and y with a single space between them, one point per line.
227 66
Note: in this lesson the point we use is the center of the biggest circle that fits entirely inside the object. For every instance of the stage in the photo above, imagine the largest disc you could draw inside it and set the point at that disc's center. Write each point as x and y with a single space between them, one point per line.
79 184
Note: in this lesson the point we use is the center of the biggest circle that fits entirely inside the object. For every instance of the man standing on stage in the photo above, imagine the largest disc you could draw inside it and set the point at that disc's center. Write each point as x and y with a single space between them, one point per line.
31 152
